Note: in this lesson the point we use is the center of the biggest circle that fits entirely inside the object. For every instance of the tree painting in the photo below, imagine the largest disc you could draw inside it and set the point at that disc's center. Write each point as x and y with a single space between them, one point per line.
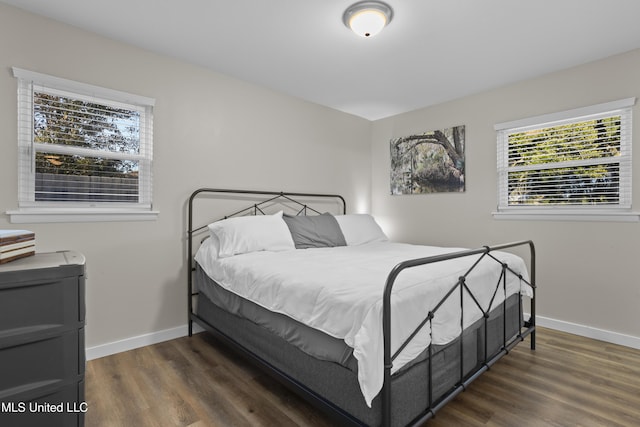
431 162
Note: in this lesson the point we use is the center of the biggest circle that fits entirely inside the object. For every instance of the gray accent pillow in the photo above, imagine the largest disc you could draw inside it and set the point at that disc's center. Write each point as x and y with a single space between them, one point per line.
315 231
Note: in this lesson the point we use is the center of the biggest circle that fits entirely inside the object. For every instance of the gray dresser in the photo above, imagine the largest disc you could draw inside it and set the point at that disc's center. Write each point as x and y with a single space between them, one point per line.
42 357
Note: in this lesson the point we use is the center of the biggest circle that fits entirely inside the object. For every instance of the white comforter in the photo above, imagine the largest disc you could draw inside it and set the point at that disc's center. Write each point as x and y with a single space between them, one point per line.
339 291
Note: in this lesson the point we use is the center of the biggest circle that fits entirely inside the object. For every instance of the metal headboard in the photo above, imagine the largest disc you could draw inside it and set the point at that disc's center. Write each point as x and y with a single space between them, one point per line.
265 198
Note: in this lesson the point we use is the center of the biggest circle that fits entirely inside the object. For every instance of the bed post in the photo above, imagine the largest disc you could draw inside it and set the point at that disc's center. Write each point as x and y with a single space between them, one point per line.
190 262
532 319
386 339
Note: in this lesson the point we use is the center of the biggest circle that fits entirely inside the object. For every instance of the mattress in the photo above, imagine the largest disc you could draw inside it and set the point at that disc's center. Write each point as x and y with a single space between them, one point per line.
313 342
344 301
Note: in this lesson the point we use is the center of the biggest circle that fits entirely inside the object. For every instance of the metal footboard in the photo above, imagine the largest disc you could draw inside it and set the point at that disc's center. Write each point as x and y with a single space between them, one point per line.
525 329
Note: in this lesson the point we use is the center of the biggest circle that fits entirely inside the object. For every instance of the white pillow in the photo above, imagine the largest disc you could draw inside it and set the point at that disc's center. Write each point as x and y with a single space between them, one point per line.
253 233
360 228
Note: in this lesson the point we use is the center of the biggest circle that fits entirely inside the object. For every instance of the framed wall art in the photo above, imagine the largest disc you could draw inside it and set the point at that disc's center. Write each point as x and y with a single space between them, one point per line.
430 162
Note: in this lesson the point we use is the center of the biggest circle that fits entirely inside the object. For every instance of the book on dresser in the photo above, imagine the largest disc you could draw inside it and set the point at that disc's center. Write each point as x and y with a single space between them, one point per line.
16 244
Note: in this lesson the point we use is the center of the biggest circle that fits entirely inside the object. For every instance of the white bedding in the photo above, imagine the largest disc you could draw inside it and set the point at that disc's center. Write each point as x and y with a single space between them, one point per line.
339 291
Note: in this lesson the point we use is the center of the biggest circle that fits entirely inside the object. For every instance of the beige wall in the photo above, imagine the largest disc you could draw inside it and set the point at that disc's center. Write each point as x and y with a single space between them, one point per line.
213 130
587 271
209 130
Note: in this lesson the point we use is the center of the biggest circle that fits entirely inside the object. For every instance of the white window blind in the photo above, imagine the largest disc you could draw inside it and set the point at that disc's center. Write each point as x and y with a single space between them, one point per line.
577 161
82 147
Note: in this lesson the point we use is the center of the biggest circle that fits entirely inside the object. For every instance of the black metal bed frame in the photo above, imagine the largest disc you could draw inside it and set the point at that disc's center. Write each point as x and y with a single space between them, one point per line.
526 328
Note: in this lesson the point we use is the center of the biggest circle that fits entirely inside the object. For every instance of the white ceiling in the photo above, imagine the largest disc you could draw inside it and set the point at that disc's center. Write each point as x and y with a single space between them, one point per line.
432 51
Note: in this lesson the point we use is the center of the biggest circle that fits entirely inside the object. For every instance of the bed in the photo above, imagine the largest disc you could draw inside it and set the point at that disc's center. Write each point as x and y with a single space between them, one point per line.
370 331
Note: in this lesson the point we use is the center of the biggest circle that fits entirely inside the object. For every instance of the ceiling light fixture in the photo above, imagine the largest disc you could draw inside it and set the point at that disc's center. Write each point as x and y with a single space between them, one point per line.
367 18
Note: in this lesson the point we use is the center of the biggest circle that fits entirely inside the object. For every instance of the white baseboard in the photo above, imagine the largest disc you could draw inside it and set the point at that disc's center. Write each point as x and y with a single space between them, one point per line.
181 331
589 332
139 341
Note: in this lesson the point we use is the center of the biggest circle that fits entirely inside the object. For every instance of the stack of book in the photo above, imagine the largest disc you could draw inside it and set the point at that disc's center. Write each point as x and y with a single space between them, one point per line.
16 244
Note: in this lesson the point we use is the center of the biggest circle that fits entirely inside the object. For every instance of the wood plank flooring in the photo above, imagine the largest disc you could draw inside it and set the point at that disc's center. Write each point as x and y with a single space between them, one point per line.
567 381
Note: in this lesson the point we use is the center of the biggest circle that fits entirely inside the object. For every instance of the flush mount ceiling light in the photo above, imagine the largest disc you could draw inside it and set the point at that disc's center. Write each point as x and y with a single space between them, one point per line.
367 18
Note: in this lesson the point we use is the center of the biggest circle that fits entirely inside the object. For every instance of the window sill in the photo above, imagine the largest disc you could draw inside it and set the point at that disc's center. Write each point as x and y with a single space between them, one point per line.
598 216
80 215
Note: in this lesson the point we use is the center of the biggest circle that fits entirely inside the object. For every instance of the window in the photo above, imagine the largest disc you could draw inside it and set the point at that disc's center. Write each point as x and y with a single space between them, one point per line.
84 152
574 164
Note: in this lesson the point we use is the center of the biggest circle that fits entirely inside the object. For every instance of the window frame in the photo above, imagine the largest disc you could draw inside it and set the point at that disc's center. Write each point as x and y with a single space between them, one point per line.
32 211
622 211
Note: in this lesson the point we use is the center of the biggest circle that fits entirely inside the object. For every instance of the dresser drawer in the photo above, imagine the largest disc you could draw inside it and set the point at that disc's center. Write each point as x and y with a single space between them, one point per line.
49 304
64 407
42 357
41 364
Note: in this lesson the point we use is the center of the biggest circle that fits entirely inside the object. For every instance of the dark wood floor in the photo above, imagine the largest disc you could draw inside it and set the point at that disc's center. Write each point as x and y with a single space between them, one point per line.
567 381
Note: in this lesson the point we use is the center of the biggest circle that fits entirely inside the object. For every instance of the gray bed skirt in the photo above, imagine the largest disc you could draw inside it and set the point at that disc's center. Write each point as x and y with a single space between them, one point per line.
337 383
